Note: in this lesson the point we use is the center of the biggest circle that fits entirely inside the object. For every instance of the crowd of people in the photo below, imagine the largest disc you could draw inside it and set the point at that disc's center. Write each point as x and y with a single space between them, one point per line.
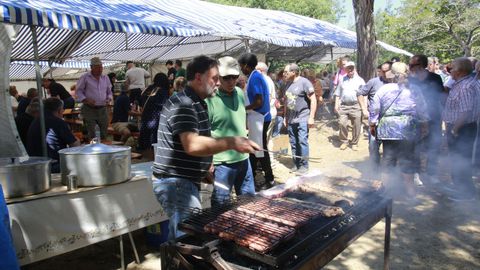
216 120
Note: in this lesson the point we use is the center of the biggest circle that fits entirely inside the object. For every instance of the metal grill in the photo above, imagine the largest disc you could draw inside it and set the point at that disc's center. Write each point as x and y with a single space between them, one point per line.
285 233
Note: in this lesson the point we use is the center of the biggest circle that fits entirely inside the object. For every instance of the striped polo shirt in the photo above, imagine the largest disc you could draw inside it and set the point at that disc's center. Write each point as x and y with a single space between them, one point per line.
463 97
183 112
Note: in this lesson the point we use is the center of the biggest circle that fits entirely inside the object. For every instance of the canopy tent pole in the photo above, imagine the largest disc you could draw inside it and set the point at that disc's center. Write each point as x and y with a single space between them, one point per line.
38 76
331 59
247 45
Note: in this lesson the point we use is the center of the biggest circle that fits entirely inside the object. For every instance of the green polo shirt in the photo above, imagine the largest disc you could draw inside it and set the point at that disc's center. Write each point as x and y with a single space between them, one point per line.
228 117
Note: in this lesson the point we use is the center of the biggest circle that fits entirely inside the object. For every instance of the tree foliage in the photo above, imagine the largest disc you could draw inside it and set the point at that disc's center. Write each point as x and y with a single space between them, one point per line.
327 10
444 28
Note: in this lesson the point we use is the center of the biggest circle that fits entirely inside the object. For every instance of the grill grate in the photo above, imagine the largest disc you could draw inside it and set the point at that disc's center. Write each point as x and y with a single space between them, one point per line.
257 223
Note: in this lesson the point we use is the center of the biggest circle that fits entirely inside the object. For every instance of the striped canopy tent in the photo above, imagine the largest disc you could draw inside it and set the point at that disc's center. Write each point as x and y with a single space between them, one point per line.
23 70
156 31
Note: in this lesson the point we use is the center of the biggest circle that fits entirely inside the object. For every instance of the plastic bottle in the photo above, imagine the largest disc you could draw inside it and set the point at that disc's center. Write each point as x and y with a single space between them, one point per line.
97 134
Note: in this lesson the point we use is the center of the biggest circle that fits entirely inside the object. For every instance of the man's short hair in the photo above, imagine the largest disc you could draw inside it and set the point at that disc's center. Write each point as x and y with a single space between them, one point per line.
169 62
292 67
395 59
52 104
129 62
261 66
33 107
200 64
421 59
387 63
178 63
463 64
12 90
32 92
248 59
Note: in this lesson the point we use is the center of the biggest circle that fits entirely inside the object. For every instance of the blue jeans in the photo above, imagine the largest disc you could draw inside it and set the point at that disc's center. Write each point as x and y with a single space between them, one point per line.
238 175
277 126
298 135
177 196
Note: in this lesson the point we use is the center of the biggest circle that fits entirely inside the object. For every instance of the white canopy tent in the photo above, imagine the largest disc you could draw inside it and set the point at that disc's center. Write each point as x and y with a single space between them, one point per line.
156 31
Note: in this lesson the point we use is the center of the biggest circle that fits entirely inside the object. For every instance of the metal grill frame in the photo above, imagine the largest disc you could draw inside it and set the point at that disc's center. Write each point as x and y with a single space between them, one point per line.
330 240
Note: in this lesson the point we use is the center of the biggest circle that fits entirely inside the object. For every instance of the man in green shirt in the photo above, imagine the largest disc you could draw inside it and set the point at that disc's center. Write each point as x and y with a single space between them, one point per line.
227 115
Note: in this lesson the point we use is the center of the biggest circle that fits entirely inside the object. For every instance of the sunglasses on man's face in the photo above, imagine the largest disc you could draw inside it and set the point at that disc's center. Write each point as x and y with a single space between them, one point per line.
230 77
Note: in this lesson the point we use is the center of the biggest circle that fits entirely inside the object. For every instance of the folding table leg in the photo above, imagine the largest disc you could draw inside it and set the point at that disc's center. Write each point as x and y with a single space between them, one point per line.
137 259
122 255
388 223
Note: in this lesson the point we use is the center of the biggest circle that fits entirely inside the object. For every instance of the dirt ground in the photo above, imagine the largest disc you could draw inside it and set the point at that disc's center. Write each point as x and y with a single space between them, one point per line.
427 233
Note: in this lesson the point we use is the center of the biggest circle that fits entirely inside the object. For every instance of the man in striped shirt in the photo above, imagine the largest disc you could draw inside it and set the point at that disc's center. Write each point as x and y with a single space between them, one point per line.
461 114
185 148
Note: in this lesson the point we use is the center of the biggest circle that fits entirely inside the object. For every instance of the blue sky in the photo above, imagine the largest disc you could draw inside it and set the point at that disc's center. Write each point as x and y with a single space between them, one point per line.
349 18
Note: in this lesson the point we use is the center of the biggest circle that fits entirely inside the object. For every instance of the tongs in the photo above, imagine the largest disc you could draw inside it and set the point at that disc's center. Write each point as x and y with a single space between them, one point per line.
283 152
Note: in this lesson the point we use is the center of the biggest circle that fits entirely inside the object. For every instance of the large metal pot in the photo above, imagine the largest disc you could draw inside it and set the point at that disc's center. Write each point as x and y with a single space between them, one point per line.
96 164
22 177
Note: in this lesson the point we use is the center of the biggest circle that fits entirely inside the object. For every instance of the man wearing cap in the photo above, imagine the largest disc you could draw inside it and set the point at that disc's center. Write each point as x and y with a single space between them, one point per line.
227 116
94 90
347 106
135 81
298 116
185 147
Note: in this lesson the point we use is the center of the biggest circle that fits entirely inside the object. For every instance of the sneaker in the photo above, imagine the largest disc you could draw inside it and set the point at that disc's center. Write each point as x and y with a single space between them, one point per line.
343 146
355 147
293 169
461 198
302 171
416 180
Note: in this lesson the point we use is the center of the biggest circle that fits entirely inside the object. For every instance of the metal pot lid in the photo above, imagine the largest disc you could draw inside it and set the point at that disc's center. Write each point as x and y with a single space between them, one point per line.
95 148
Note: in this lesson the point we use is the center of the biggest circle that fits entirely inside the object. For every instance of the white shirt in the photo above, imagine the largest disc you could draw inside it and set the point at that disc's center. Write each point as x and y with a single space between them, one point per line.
136 78
272 94
348 88
449 81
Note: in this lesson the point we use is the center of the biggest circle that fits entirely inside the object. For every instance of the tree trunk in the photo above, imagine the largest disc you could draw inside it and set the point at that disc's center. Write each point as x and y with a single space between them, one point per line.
366 39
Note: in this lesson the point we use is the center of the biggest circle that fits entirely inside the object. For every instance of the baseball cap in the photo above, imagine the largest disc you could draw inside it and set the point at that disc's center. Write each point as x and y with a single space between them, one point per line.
228 66
95 61
398 68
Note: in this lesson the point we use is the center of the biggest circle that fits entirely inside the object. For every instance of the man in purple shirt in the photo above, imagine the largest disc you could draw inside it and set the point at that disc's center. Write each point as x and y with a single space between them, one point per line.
94 91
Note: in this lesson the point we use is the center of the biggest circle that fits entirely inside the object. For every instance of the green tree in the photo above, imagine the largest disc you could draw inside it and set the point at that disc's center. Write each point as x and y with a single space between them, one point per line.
444 28
328 10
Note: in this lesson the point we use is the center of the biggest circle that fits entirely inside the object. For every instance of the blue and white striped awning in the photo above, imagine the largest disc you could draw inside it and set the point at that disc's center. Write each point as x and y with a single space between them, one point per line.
159 30
23 70
274 27
126 16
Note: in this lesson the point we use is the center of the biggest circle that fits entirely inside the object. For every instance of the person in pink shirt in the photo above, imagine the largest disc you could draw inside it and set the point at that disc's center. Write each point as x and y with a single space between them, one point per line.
342 72
94 90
